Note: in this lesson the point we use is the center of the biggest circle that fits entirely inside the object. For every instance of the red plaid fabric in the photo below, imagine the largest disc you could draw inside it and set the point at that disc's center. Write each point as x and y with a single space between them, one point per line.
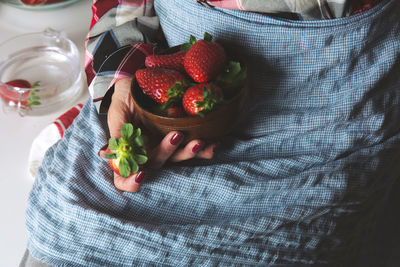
65 120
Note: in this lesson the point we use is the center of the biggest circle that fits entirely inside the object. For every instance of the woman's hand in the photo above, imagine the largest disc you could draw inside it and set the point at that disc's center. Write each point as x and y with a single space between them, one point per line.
121 111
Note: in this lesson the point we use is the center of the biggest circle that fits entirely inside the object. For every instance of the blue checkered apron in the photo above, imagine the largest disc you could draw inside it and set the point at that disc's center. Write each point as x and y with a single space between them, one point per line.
302 180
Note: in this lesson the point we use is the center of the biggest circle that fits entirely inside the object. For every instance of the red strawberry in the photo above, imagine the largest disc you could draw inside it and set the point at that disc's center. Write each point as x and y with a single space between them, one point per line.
170 61
33 2
114 163
12 97
126 154
19 83
175 112
205 59
40 2
156 82
201 98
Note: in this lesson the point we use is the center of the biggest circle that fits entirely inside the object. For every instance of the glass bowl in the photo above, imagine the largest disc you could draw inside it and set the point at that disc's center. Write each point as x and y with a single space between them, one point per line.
48 60
44 5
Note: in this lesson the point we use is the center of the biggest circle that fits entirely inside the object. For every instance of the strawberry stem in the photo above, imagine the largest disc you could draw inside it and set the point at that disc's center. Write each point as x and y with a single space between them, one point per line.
207 37
188 45
128 150
192 40
35 84
211 99
175 93
232 78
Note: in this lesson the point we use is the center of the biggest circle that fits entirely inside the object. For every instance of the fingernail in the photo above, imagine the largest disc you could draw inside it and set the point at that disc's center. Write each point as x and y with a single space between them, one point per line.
196 147
139 177
101 149
176 139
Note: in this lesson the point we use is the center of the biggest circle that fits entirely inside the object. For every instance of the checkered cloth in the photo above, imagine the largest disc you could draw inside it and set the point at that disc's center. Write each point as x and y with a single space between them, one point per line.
124 32
302 180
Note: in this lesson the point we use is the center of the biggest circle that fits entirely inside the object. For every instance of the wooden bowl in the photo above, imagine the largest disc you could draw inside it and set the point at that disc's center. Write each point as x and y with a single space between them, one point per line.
212 127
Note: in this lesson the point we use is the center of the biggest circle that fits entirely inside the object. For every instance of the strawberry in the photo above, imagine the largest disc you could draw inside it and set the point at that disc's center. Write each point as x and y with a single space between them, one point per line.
204 59
156 82
201 98
40 2
26 98
175 112
19 83
33 2
170 61
127 153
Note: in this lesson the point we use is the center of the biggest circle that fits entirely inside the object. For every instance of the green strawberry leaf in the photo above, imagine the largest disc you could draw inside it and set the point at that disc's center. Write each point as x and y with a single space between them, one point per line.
171 101
210 100
233 73
141 159
137 133
113 143
126 131
140 151
33 98
205 92
35 84
233 70
201 113
134 167
232 78
187 46
110 156
207 37
34 103
175 93
139 141
124 168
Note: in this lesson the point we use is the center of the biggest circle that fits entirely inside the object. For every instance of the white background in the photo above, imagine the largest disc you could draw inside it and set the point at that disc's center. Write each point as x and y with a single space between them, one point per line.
17 133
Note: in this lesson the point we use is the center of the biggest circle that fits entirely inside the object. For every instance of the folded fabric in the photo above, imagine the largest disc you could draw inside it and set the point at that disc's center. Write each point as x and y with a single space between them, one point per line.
48 137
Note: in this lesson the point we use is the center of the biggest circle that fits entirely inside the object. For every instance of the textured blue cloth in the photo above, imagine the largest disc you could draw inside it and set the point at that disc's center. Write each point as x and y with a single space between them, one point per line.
302 180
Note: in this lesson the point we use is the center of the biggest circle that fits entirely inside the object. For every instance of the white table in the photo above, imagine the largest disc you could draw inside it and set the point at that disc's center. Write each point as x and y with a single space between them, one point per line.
17 133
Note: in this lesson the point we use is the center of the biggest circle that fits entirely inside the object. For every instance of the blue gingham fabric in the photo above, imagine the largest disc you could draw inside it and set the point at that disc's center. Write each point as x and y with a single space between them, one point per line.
302 180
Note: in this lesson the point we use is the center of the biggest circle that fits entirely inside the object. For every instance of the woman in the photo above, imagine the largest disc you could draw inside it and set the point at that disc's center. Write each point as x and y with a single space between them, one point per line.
301 181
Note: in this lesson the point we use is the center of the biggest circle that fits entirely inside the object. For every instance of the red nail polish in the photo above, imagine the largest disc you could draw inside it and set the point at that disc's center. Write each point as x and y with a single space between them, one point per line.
102 149
196 148
176 139
139 177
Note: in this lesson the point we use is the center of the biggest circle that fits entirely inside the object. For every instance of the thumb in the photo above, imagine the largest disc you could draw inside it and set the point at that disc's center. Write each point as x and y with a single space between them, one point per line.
121 107
117 116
